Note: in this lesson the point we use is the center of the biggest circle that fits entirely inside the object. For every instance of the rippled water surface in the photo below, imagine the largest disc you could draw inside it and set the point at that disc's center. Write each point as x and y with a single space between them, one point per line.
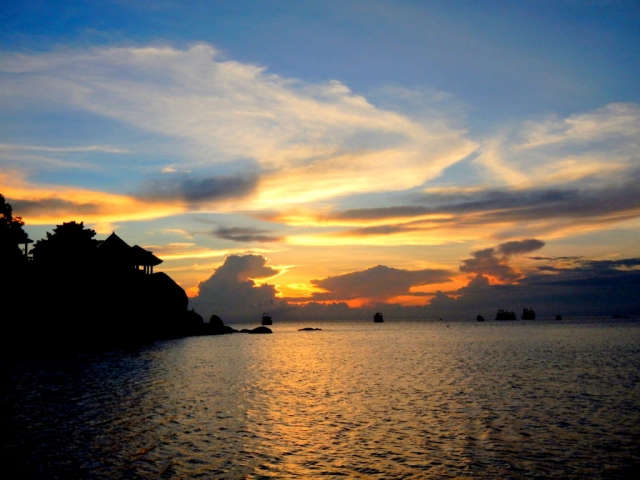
394 400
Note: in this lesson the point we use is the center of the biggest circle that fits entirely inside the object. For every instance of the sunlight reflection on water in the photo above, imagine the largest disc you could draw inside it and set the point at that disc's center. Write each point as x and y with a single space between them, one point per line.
467 400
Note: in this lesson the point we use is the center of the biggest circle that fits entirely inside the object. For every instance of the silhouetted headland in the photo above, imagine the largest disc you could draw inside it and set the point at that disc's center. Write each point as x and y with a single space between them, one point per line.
72 292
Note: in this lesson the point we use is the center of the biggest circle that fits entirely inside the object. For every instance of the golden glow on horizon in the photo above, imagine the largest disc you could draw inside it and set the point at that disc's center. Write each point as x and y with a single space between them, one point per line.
192 291
427 232
410 300
298 290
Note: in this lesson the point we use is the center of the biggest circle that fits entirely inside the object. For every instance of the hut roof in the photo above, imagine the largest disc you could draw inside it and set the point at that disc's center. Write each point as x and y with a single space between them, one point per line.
113 247
144 257
115 252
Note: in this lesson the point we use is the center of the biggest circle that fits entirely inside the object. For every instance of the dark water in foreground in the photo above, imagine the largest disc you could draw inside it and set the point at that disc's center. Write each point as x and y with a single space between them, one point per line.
537 399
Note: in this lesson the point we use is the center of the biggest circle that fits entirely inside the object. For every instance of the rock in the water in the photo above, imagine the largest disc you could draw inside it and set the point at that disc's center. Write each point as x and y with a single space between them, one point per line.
309 329
261 329
192 323
217 327
216 322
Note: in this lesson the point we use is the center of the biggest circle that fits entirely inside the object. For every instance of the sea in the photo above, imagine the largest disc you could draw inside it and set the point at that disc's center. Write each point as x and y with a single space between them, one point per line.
540 399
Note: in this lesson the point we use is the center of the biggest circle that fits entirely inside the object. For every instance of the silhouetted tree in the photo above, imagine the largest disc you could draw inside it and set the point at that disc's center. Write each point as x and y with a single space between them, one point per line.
11 235
13 272
70 246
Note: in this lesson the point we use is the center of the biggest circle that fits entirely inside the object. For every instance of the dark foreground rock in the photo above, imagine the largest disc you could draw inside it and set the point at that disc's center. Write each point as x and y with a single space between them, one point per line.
217 327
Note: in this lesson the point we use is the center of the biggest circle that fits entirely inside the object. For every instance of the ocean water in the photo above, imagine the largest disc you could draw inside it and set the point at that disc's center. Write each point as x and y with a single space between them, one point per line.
525 399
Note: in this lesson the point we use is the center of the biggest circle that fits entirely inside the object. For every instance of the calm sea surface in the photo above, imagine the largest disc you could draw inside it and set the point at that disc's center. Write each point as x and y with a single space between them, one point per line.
524 399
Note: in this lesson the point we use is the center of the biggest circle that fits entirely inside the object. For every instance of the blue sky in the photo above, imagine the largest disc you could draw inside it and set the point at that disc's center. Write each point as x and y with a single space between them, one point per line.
502 58
324 139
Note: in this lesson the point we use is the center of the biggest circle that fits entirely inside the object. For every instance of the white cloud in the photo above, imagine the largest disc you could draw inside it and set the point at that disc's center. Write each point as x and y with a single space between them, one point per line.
83 149
290 145
306 138
594 148
17 155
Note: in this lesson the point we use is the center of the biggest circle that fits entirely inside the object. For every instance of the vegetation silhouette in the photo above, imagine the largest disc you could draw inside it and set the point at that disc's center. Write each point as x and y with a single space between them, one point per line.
71 247
12 235
73 292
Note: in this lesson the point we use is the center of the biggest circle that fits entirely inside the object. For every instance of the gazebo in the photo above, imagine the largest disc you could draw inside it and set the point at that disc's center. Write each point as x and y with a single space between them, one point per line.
144 258
116 253
24 240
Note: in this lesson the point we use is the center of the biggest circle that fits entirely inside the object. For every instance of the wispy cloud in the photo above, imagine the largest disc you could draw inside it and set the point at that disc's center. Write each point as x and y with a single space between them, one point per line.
239 234
311 141
34 159
46 205
593 148
477 213
321 163
38 148
256 141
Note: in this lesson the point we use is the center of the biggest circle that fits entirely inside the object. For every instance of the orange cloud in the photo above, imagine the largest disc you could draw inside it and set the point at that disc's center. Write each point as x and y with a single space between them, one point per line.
47 205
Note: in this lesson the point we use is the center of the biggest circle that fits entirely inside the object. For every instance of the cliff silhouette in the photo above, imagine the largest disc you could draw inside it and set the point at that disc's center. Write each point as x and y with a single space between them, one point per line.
72 291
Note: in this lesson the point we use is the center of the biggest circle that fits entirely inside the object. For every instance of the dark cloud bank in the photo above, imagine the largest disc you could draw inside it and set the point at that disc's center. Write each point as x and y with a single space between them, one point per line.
582 287
494 261
55 206
609 203
379 281
239 234
178 187
198 191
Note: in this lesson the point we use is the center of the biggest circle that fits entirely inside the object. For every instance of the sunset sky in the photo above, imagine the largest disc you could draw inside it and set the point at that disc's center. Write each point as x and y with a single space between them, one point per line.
362 151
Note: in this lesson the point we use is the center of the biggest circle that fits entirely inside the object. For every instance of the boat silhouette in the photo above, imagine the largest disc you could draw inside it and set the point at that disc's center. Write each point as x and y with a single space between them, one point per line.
377 318
528 314
505 315
266 319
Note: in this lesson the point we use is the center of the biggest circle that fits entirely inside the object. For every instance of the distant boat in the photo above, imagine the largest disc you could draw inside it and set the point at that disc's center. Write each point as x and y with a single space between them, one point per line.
266 319
480 318
505 315
528 314
558 317
377 318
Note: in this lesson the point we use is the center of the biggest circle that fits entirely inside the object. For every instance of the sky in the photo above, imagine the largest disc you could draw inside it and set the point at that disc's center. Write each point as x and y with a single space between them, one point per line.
327 159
